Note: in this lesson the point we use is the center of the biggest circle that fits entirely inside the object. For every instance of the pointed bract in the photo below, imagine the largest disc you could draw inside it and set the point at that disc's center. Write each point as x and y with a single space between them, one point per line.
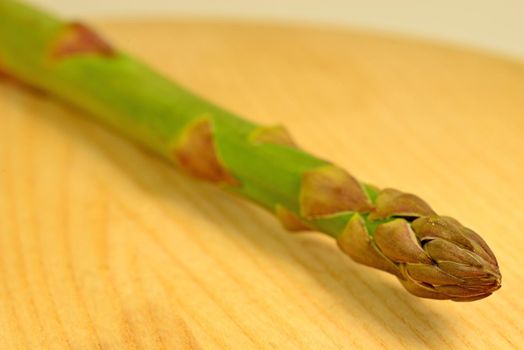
355 242
398 242
391 202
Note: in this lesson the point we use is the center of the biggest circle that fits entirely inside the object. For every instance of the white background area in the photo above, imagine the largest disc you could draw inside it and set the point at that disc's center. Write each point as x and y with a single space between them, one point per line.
494 25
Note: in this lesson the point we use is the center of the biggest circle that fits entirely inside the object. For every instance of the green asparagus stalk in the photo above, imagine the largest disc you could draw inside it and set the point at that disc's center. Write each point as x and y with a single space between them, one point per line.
433 256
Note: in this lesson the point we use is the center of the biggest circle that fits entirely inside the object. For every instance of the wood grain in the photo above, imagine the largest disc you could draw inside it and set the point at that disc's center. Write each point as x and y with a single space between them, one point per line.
103 246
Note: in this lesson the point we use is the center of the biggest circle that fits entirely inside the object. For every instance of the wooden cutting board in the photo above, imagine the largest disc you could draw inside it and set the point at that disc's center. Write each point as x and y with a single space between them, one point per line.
103 246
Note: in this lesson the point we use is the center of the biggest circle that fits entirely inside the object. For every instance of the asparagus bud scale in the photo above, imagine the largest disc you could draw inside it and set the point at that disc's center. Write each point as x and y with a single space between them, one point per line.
433 256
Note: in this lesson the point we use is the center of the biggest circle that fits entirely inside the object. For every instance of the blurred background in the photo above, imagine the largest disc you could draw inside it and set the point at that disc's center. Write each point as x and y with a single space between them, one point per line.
493 25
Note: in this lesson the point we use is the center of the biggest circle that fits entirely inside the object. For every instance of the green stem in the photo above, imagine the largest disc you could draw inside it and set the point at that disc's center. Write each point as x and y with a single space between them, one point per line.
154 111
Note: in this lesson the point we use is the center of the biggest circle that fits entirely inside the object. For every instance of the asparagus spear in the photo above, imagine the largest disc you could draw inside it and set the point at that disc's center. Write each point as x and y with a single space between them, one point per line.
433 256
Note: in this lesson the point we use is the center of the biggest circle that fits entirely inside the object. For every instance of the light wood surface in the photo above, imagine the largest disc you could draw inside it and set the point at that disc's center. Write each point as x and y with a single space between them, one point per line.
103 246
490 24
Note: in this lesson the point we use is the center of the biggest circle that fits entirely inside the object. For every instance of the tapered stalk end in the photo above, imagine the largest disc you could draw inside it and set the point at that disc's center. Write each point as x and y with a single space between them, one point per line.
462 266
433 256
